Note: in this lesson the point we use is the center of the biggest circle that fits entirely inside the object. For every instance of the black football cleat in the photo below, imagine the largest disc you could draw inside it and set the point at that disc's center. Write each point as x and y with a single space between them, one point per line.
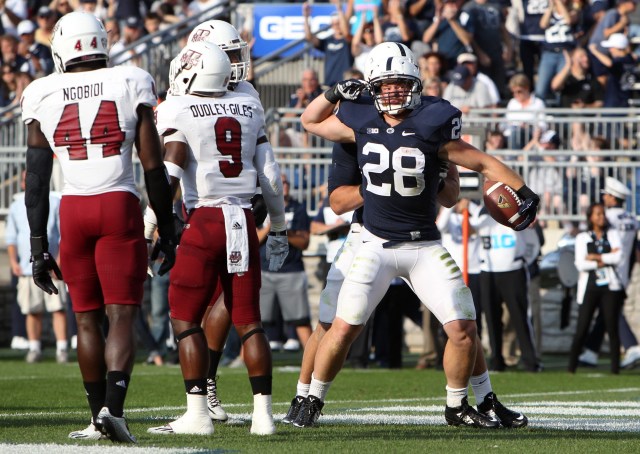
466 415
510 419
309 412
294 409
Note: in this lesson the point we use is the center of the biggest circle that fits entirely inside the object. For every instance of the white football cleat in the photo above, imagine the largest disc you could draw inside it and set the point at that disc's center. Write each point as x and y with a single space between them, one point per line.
90 433
214 406
262 418
186 424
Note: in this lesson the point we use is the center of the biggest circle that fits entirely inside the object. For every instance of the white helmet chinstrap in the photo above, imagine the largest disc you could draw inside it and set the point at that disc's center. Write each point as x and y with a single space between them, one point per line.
226 37
204 69
77 38
394 83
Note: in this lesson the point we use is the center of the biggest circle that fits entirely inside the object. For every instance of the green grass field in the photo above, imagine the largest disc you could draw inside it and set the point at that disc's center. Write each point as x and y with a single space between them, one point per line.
373 410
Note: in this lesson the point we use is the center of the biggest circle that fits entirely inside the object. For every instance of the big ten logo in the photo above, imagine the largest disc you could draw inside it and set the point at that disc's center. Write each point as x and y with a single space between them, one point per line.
290 27
502 241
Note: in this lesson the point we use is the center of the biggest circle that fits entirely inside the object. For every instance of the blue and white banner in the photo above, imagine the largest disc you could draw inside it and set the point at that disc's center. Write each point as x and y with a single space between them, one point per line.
276 25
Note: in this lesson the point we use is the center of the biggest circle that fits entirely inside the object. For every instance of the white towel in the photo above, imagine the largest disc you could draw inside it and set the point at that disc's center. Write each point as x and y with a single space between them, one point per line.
235 225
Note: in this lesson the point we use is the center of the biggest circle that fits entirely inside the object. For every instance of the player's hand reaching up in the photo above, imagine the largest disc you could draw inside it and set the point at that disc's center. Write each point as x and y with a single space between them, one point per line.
277 249
349 90
529 208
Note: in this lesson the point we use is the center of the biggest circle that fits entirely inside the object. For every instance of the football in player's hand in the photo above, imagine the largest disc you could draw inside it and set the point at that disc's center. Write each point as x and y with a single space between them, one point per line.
502 203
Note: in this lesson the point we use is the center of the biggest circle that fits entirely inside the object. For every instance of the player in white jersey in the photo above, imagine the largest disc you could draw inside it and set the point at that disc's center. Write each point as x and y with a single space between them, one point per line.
214 148
217 321
90 116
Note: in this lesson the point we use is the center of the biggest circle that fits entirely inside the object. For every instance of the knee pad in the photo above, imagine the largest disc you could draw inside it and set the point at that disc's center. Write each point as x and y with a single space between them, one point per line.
251 333
189 332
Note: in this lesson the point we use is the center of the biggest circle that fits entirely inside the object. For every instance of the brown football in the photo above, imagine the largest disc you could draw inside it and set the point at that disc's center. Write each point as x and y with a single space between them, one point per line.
502 202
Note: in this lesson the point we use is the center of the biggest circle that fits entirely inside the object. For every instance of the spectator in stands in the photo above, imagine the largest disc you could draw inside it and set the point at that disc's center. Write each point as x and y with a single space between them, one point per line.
368 35
451 31
614 21
95 7
215 7
293 135
14 83
113 31
33 300
38 55
620 67
598 252
395 27
434 65
471 62
335 227
523 113
10 56
12 13
465 92
336 48
585 182
289 284
576 84
489 24
46 19
432 86
531 35
420 13
559 24
61 7
495 141
132 32
547 181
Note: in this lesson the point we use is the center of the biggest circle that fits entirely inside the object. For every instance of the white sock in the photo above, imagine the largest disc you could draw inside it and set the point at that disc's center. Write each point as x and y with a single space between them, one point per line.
61 345
319 388
262 403
455 396
302 389
197 405
481 385
35 346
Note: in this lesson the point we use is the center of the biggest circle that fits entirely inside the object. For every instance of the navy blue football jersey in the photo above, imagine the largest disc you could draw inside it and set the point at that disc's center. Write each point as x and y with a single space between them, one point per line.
399 166
345 171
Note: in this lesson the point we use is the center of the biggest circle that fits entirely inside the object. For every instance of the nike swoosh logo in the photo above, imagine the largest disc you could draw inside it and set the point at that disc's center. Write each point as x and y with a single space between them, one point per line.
520 418
406 133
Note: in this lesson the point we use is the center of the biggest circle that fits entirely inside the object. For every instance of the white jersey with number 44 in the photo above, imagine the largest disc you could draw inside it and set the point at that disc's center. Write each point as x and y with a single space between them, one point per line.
89 119
222 135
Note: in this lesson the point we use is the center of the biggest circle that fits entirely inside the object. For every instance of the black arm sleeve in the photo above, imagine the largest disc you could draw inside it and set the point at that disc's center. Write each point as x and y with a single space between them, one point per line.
159 192
39 167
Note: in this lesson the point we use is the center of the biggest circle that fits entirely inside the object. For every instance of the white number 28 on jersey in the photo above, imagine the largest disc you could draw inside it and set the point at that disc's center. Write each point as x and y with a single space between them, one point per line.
400 173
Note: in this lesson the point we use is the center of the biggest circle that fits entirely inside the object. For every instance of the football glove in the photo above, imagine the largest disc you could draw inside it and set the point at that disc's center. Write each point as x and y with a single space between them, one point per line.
165 244
346 90
42 264
277 249
259 209
529 207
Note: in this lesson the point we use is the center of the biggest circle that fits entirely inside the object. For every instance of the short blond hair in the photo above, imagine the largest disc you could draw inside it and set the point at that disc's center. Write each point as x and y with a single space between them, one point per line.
520 80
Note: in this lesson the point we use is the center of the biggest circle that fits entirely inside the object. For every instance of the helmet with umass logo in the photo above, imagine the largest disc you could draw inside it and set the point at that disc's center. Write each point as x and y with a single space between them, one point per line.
203 69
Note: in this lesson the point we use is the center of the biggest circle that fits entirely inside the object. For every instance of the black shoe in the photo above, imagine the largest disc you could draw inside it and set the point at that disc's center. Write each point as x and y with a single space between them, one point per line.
466 415
294 409
309 412
492 407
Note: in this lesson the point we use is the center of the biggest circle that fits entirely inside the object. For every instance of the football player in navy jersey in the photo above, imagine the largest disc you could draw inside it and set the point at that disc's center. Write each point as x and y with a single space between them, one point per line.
400 142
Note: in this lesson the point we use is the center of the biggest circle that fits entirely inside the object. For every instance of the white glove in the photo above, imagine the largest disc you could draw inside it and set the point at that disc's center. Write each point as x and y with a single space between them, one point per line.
277 250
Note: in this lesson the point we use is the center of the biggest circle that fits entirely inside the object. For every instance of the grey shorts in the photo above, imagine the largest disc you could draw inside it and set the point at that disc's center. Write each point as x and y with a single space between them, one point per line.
33 300
291 292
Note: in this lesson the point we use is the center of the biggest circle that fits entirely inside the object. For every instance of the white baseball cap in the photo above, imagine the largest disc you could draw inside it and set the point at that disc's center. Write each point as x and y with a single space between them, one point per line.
615 188
617 41
25 27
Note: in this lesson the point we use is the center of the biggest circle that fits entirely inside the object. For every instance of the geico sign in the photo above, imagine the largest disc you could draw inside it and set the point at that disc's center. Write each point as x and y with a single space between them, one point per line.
288 27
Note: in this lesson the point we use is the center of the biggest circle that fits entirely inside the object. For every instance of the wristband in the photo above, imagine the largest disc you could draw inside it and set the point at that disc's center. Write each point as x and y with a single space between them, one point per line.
283 233
39 245
526 193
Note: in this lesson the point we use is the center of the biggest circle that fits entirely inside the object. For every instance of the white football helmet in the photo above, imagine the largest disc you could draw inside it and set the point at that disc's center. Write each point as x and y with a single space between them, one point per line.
76 38
385 50
204 69
404 75
226 37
